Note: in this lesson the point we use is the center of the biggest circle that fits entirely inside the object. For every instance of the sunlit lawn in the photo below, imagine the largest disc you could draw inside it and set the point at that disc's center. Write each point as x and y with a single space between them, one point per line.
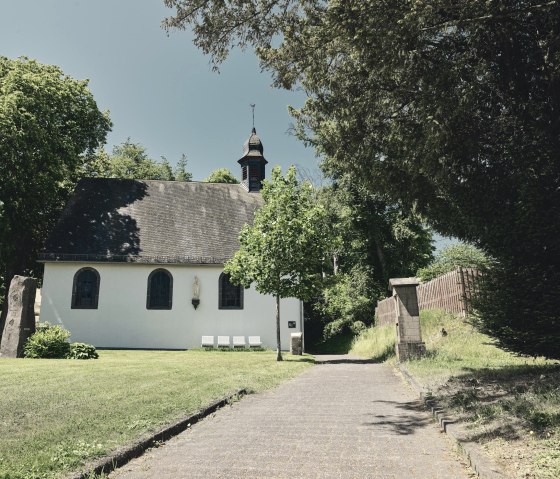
55 414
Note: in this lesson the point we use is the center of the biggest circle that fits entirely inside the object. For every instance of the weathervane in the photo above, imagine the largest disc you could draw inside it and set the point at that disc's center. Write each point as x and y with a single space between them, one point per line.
253 107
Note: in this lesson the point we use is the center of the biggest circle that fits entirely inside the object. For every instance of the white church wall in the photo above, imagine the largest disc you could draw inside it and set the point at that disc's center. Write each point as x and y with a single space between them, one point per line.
123 321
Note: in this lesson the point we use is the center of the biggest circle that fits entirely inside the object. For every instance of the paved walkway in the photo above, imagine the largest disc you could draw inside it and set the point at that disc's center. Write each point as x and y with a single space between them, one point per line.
337 420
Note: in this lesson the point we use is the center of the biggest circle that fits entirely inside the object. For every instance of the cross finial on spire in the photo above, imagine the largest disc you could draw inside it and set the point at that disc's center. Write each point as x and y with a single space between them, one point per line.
253 108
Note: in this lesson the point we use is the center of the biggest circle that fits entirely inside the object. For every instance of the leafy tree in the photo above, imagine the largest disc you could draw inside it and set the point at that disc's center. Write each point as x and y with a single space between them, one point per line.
130 161
283 251
221 175
376 241
452 257
528 302
180 173
49 127
450 107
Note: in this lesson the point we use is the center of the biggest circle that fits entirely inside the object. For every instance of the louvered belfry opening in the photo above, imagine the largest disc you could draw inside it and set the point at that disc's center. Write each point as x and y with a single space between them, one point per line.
253 163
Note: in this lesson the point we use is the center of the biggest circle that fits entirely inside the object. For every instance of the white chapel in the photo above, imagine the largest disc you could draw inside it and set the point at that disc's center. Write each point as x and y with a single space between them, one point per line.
139 263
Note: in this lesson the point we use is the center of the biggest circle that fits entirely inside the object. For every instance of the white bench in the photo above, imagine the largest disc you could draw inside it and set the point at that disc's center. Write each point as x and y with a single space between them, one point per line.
223 342
239 342
207 341
255 342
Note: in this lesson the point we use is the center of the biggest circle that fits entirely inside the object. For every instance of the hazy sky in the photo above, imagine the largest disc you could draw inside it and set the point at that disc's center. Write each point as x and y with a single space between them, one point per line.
160 90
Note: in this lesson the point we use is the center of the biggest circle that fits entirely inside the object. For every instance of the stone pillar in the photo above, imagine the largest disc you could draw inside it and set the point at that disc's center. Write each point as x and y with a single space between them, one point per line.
409 338
20 321
296 344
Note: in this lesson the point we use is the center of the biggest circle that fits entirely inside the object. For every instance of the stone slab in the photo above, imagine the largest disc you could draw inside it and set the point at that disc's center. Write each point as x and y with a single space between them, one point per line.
403 282
20 320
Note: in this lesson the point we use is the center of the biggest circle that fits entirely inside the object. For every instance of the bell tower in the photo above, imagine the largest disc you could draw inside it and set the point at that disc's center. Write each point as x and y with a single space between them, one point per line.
252 164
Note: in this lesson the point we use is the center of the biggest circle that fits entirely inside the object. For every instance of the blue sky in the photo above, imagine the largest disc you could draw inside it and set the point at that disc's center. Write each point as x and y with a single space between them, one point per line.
160 90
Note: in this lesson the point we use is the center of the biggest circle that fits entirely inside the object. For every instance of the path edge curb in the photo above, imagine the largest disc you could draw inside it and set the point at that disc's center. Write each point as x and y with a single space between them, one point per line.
484 467
121 456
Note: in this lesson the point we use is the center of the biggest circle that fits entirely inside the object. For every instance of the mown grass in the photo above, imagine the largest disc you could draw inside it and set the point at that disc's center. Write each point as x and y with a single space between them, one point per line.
510 404
57 414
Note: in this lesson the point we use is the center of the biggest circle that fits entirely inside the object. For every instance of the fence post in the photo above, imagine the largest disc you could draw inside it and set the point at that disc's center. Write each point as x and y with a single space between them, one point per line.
409 338
463 292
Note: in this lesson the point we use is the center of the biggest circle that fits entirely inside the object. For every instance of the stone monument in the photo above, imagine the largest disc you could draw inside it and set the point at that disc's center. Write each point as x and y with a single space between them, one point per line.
296 344
20 321
409 338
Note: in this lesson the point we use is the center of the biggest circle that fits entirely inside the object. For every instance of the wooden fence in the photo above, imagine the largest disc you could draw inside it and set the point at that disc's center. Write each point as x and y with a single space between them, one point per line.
385 312
451 291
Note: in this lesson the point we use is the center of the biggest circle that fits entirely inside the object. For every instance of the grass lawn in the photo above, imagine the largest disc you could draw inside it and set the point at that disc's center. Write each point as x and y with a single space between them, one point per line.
56 414
509 404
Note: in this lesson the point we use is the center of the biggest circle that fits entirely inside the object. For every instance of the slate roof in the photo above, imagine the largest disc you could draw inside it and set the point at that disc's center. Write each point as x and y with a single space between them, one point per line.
151 221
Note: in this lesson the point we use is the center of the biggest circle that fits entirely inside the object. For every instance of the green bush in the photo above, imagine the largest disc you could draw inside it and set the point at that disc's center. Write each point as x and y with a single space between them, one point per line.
82 351
357 327
51 342
336 327
48 342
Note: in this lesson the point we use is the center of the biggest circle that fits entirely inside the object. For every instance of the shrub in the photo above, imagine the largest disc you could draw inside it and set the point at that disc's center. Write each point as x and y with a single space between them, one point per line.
82 351
336 327
49 342
357 327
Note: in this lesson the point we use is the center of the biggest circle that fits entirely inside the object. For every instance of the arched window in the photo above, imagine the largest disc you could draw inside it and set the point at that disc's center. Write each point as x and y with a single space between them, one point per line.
85 289
231 295
160 290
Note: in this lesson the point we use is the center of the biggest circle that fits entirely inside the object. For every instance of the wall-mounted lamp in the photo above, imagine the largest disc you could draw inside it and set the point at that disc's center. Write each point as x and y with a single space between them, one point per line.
195 293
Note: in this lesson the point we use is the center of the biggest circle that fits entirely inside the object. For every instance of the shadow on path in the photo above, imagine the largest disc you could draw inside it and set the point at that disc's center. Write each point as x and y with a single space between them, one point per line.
341 359
402 423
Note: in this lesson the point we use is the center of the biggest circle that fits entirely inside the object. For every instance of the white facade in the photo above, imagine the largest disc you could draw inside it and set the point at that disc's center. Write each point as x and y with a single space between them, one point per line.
122 320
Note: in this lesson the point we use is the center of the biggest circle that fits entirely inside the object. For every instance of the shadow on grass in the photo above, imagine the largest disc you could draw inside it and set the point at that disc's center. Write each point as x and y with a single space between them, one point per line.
508 400
387 353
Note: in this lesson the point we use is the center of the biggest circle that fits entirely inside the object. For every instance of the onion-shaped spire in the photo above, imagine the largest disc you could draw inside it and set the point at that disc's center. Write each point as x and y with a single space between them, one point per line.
253 145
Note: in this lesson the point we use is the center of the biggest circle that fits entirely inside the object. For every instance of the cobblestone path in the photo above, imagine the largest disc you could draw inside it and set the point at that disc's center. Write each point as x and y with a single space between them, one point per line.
340 419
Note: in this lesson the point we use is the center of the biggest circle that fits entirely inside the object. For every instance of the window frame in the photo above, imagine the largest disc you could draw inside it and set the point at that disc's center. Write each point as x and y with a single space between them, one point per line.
221 280
149 291
74 300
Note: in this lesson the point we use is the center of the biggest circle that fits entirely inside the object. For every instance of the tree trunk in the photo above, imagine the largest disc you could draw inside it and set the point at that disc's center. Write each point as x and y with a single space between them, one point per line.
278 345
335 263
381 258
